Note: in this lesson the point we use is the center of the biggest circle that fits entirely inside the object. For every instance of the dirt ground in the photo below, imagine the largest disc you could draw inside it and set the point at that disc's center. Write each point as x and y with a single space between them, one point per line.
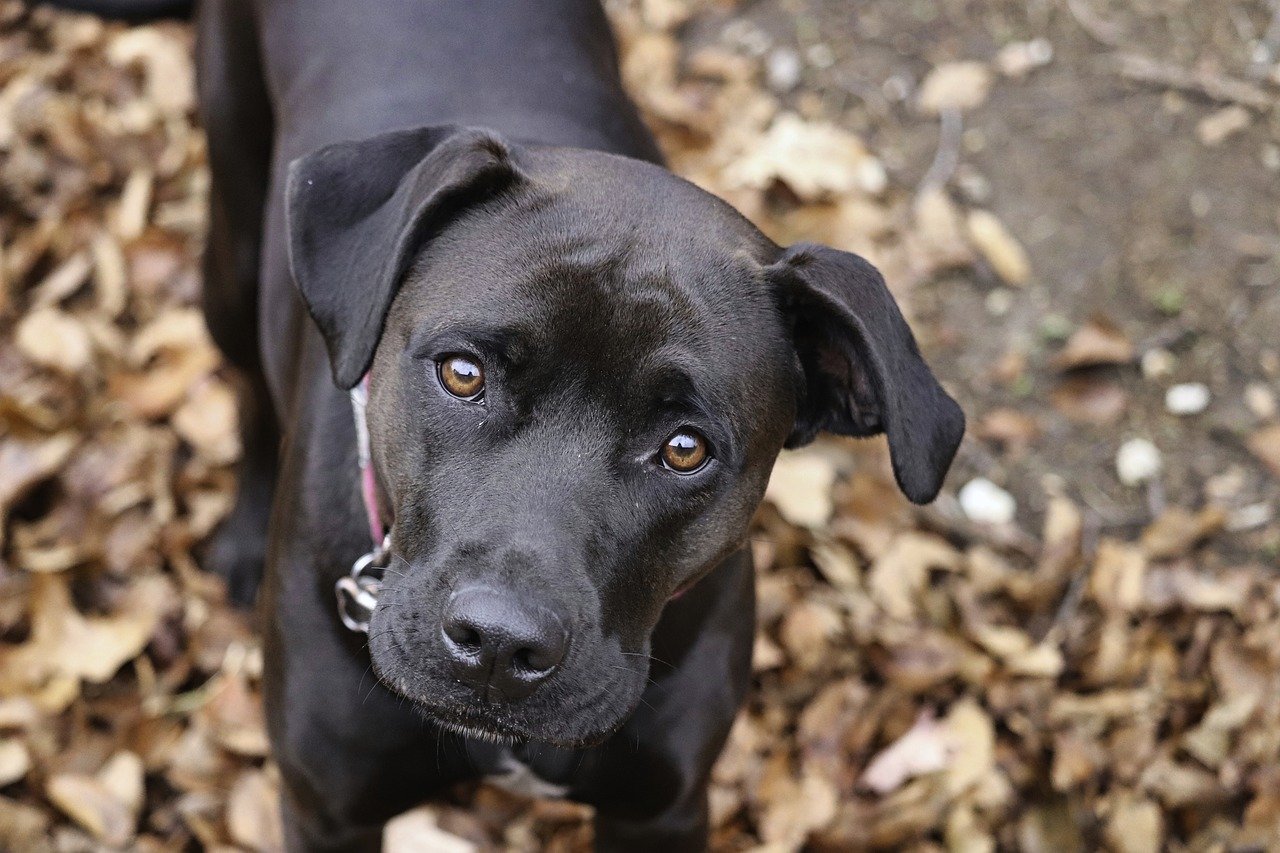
1077 647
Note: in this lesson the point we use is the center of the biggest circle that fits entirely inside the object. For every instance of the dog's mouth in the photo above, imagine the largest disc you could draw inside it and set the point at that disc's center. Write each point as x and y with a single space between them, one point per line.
504 724
479 723
487 723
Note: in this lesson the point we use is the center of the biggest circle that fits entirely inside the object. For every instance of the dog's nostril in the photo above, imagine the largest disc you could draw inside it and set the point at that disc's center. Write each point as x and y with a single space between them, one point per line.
466 636
533 661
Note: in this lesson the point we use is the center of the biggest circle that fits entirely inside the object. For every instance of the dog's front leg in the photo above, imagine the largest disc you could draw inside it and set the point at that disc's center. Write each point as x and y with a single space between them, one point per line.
649 781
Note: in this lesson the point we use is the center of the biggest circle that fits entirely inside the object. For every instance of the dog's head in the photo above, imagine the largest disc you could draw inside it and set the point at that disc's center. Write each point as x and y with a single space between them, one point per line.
582 369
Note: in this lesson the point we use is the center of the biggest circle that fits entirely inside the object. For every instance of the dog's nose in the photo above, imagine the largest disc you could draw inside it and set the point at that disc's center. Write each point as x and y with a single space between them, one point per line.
500 648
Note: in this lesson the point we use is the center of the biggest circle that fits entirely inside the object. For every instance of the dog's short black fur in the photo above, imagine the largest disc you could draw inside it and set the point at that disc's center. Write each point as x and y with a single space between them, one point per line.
362 224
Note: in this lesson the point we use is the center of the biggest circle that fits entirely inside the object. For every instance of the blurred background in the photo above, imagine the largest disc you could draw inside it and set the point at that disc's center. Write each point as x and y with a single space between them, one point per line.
1077 647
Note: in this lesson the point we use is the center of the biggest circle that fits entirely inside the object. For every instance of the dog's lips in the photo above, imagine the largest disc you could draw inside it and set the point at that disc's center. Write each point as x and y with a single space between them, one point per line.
474 722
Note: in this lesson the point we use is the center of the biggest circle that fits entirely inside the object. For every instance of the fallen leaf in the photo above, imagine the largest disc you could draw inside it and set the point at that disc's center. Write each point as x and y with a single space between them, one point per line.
800 487
51 338
253 813
65 643
999 247
1090 400
1135 826
925 748
1097 342
1177 530
954 86
15 761
105 804
1009 427
817 161
1265 444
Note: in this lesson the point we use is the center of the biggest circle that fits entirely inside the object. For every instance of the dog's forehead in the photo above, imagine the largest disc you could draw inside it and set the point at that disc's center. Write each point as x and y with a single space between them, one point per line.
611 262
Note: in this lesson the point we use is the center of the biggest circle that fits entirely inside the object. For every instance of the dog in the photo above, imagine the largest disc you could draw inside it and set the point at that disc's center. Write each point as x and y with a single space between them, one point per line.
572 372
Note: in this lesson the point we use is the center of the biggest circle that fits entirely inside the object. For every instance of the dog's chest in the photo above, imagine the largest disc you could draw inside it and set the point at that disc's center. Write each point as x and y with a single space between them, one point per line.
517 777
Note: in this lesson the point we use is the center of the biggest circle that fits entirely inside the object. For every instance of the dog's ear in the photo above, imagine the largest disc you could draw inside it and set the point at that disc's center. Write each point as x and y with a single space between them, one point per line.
863 373
358 211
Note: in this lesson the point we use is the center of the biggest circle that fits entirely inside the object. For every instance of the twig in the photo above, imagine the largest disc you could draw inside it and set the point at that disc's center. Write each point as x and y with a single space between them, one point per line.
948 153
1144 69
1101 30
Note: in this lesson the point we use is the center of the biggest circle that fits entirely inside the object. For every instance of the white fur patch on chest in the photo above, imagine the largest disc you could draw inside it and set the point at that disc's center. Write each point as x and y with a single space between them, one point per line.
518 778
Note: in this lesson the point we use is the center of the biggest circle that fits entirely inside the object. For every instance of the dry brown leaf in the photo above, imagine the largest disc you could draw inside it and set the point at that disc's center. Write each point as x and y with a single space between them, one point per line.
253 812
925 748
938 232
208 421
52 338
1116 580
795 808
1009 427
816 160
166 62
65 643
1265 444
1177 530
800 487
1090 400
24 463
1135 826
807 630
897 577
954 86
105 804
15 761
1001 249
235 717
973 737
1097 342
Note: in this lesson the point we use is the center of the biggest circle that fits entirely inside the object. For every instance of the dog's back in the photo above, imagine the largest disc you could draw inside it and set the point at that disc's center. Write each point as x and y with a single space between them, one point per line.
541 71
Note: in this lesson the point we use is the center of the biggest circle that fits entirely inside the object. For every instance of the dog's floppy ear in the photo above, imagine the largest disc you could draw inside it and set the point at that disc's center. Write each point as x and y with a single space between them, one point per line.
863 374
357 212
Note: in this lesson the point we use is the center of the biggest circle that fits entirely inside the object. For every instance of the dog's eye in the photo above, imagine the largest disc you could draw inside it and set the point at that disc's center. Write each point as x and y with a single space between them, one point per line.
462 377
685 452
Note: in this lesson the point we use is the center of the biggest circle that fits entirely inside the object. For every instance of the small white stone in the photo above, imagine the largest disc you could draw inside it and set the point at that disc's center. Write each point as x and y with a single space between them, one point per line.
1260 400
1187 398
1137 461
1157 363
1249 517
782 70
999 301
872 177
986 503
1020 58
821 56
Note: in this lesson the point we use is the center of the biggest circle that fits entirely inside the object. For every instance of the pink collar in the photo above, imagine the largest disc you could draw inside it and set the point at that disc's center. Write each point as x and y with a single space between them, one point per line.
368 484
358 590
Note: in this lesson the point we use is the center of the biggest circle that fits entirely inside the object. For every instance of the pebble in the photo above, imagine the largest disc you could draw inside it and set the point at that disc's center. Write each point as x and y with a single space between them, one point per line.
873 178
1220 126
1260 400
1157 363
999 301
1187 398
1137 461
782 70
986 503
1249 517
821 56
1019 58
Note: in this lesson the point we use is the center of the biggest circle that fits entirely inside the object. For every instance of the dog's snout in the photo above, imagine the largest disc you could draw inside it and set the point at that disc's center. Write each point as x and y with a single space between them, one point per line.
499 647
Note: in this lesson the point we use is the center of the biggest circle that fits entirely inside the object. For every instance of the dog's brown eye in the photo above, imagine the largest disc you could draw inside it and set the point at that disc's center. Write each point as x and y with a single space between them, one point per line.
462 377
685 452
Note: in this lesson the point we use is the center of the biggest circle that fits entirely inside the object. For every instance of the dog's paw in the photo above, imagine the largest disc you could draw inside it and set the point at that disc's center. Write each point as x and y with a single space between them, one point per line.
236 552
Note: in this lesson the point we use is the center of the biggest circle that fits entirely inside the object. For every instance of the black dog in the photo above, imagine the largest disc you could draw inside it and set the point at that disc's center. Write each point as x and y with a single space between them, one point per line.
580 369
